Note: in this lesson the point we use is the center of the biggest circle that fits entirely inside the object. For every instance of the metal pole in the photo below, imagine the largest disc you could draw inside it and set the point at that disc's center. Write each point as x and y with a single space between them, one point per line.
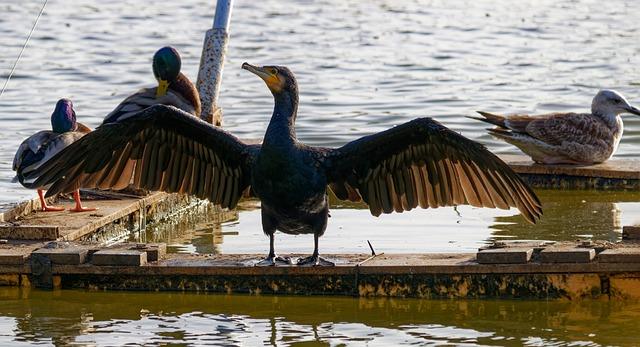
212 61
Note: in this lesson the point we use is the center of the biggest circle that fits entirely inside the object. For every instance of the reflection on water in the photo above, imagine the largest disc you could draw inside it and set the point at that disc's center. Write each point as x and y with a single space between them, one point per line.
571 215
196 229
568 216
116 318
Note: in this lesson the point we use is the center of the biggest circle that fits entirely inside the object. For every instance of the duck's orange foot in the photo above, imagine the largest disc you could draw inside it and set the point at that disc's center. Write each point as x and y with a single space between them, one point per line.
52 208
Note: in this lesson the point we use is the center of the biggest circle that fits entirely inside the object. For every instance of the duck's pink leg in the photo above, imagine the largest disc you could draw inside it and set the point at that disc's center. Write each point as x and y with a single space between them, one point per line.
79 208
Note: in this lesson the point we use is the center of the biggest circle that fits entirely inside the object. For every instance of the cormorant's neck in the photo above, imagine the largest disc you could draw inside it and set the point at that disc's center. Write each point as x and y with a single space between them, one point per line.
283 120
183 86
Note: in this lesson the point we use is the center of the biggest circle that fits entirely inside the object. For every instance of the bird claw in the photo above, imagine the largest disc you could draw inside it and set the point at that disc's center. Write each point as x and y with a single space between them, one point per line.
314 260
274 260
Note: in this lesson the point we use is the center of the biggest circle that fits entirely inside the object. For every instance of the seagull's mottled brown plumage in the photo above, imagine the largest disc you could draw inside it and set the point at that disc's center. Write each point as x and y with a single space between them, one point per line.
566 138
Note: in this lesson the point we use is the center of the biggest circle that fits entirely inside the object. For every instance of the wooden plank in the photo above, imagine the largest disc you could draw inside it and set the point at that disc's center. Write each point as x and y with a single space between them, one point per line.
29 232
504 256
67 256
119 257
620 255
14 256
619 168
567 255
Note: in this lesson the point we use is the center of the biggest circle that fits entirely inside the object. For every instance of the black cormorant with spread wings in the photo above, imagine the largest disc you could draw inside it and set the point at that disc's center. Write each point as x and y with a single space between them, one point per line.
418 163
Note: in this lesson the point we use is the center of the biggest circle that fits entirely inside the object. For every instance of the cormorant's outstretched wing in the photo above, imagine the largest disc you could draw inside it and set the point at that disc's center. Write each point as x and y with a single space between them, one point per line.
161 148
424 163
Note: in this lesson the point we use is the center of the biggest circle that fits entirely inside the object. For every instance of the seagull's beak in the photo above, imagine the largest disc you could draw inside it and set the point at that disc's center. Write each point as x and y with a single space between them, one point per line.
633 110
270 78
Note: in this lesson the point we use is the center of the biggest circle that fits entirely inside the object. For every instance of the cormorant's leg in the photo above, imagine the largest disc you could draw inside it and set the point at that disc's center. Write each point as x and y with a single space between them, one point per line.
272 259
315 259
79 208
45 207
269 228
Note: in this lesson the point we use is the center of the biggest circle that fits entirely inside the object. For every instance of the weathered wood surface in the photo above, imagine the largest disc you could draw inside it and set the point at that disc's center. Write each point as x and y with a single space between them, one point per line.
616 173
620 168
31 224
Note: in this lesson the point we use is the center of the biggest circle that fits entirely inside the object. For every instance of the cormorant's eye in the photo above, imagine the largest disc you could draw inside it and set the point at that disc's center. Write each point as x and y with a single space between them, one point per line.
617 101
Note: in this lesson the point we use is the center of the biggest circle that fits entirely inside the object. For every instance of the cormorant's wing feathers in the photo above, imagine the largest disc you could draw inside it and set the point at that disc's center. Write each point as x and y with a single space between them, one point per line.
160 148
424 163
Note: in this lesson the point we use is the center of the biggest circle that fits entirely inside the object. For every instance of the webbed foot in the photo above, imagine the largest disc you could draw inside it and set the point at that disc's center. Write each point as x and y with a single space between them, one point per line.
79 207
273 260
314 260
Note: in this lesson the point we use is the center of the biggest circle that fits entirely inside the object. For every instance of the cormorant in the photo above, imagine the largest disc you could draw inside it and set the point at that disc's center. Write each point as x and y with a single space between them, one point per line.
419 163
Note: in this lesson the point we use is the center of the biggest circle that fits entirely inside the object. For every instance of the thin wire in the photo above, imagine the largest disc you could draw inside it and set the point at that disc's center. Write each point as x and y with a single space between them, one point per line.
26 42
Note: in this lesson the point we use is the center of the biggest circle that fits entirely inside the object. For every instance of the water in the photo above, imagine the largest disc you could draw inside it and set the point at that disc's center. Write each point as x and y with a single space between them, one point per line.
115 318
362 67
570 216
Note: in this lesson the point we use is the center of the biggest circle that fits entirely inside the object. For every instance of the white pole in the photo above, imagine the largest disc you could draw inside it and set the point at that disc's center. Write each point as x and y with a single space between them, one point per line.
212 61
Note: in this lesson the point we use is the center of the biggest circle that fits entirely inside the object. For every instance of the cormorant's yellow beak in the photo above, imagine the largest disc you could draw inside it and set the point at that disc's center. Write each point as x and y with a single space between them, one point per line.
163 86
268 75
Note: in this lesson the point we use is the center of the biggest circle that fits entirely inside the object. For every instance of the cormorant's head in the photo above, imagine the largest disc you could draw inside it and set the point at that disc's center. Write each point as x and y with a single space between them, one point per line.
63 118
166 68
279 79
610 102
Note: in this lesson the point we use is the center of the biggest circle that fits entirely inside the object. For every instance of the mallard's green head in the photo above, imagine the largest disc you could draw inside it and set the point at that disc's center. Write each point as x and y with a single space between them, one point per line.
63 118
166 67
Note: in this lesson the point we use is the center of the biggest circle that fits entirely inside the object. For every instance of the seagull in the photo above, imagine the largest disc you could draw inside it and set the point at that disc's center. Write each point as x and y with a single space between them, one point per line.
418 163
566 138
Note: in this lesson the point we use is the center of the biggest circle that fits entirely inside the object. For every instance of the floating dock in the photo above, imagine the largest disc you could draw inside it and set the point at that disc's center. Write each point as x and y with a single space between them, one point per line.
557 271
82 254
118 215
616 173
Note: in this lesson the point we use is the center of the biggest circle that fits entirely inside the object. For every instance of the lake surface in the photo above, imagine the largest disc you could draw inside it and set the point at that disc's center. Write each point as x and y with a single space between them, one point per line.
84 318
569 216
362 66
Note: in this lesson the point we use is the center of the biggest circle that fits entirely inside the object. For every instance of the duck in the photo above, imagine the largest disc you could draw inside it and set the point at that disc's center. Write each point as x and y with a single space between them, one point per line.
566 138
174 88
43 145
418 163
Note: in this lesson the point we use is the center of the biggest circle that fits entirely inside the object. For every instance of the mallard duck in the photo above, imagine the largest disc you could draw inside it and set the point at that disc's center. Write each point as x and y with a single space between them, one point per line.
419 163
43 145
566 138
174 88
